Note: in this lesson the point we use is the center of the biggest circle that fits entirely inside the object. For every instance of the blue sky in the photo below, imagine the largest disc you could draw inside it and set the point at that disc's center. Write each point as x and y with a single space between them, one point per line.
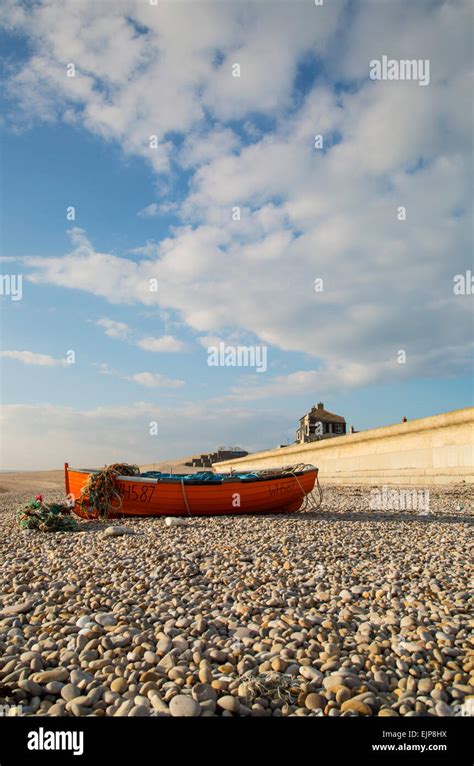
167 213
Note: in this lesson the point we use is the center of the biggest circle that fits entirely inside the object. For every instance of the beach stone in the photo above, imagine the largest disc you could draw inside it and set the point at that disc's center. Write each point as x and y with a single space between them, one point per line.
159 705
311 674
345 595
81 678
203 692
117 531
124 709
28 656
150 676
167 662
425 685
381 679
356 706
70 692
119 685
184 706
83 700
54 687
105 619
139 711
163 646
21 608
407 622
46 676
175 521
315 702
56 709
31 687
342 694
229 703
334 680
83 621
443 709
234 607
78 710
118 642
205 675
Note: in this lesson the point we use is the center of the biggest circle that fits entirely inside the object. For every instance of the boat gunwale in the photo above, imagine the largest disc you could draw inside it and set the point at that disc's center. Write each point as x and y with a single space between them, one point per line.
231 477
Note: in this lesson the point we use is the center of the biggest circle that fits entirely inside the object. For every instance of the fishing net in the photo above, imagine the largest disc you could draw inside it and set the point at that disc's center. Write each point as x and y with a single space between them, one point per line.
46 517
101 494
273 686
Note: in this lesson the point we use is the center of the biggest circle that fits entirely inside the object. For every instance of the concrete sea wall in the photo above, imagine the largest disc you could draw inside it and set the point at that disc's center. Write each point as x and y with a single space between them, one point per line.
433 450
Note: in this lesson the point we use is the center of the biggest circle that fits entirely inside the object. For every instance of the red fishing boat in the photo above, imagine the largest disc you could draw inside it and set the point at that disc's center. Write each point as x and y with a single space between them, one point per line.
279 490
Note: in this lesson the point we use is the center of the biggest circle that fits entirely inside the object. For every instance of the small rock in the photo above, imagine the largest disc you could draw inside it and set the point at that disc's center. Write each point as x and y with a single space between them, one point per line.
345 595
203 692
119 685
315 702
175 521
443 709
56 674
22 608
229 703
331 681
70 692
56 709
425 685
184 706
105 619
139 711
116 531
31 687
311 674
356 706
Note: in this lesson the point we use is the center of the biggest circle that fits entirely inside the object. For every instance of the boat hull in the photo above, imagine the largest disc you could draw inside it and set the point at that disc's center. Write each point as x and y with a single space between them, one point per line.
149 497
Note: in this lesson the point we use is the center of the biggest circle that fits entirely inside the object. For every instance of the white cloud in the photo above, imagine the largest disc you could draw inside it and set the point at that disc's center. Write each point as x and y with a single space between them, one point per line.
43 435
305 214
154 380
121 331
208 145
114 329
150 211
100 273
105 369
147 379
149 249
166 343
32 358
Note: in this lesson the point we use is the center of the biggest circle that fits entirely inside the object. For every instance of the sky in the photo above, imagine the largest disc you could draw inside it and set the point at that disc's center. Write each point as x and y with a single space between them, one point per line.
186 176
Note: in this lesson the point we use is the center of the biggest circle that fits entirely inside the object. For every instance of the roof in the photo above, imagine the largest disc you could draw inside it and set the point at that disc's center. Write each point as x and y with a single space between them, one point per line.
325 415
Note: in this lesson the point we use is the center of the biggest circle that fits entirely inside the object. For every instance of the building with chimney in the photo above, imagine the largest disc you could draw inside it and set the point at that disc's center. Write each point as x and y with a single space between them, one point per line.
319 424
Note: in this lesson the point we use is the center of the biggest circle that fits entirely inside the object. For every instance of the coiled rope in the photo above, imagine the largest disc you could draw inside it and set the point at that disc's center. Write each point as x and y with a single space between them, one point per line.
309 500
100 494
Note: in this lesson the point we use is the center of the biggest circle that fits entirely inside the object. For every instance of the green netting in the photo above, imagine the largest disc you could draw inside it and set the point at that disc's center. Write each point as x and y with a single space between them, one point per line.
46 517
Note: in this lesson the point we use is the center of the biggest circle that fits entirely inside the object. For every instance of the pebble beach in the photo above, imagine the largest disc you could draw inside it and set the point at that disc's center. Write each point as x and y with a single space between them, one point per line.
341 612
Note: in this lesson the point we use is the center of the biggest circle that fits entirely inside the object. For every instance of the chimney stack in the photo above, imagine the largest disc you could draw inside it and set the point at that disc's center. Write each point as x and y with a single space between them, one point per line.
320 406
